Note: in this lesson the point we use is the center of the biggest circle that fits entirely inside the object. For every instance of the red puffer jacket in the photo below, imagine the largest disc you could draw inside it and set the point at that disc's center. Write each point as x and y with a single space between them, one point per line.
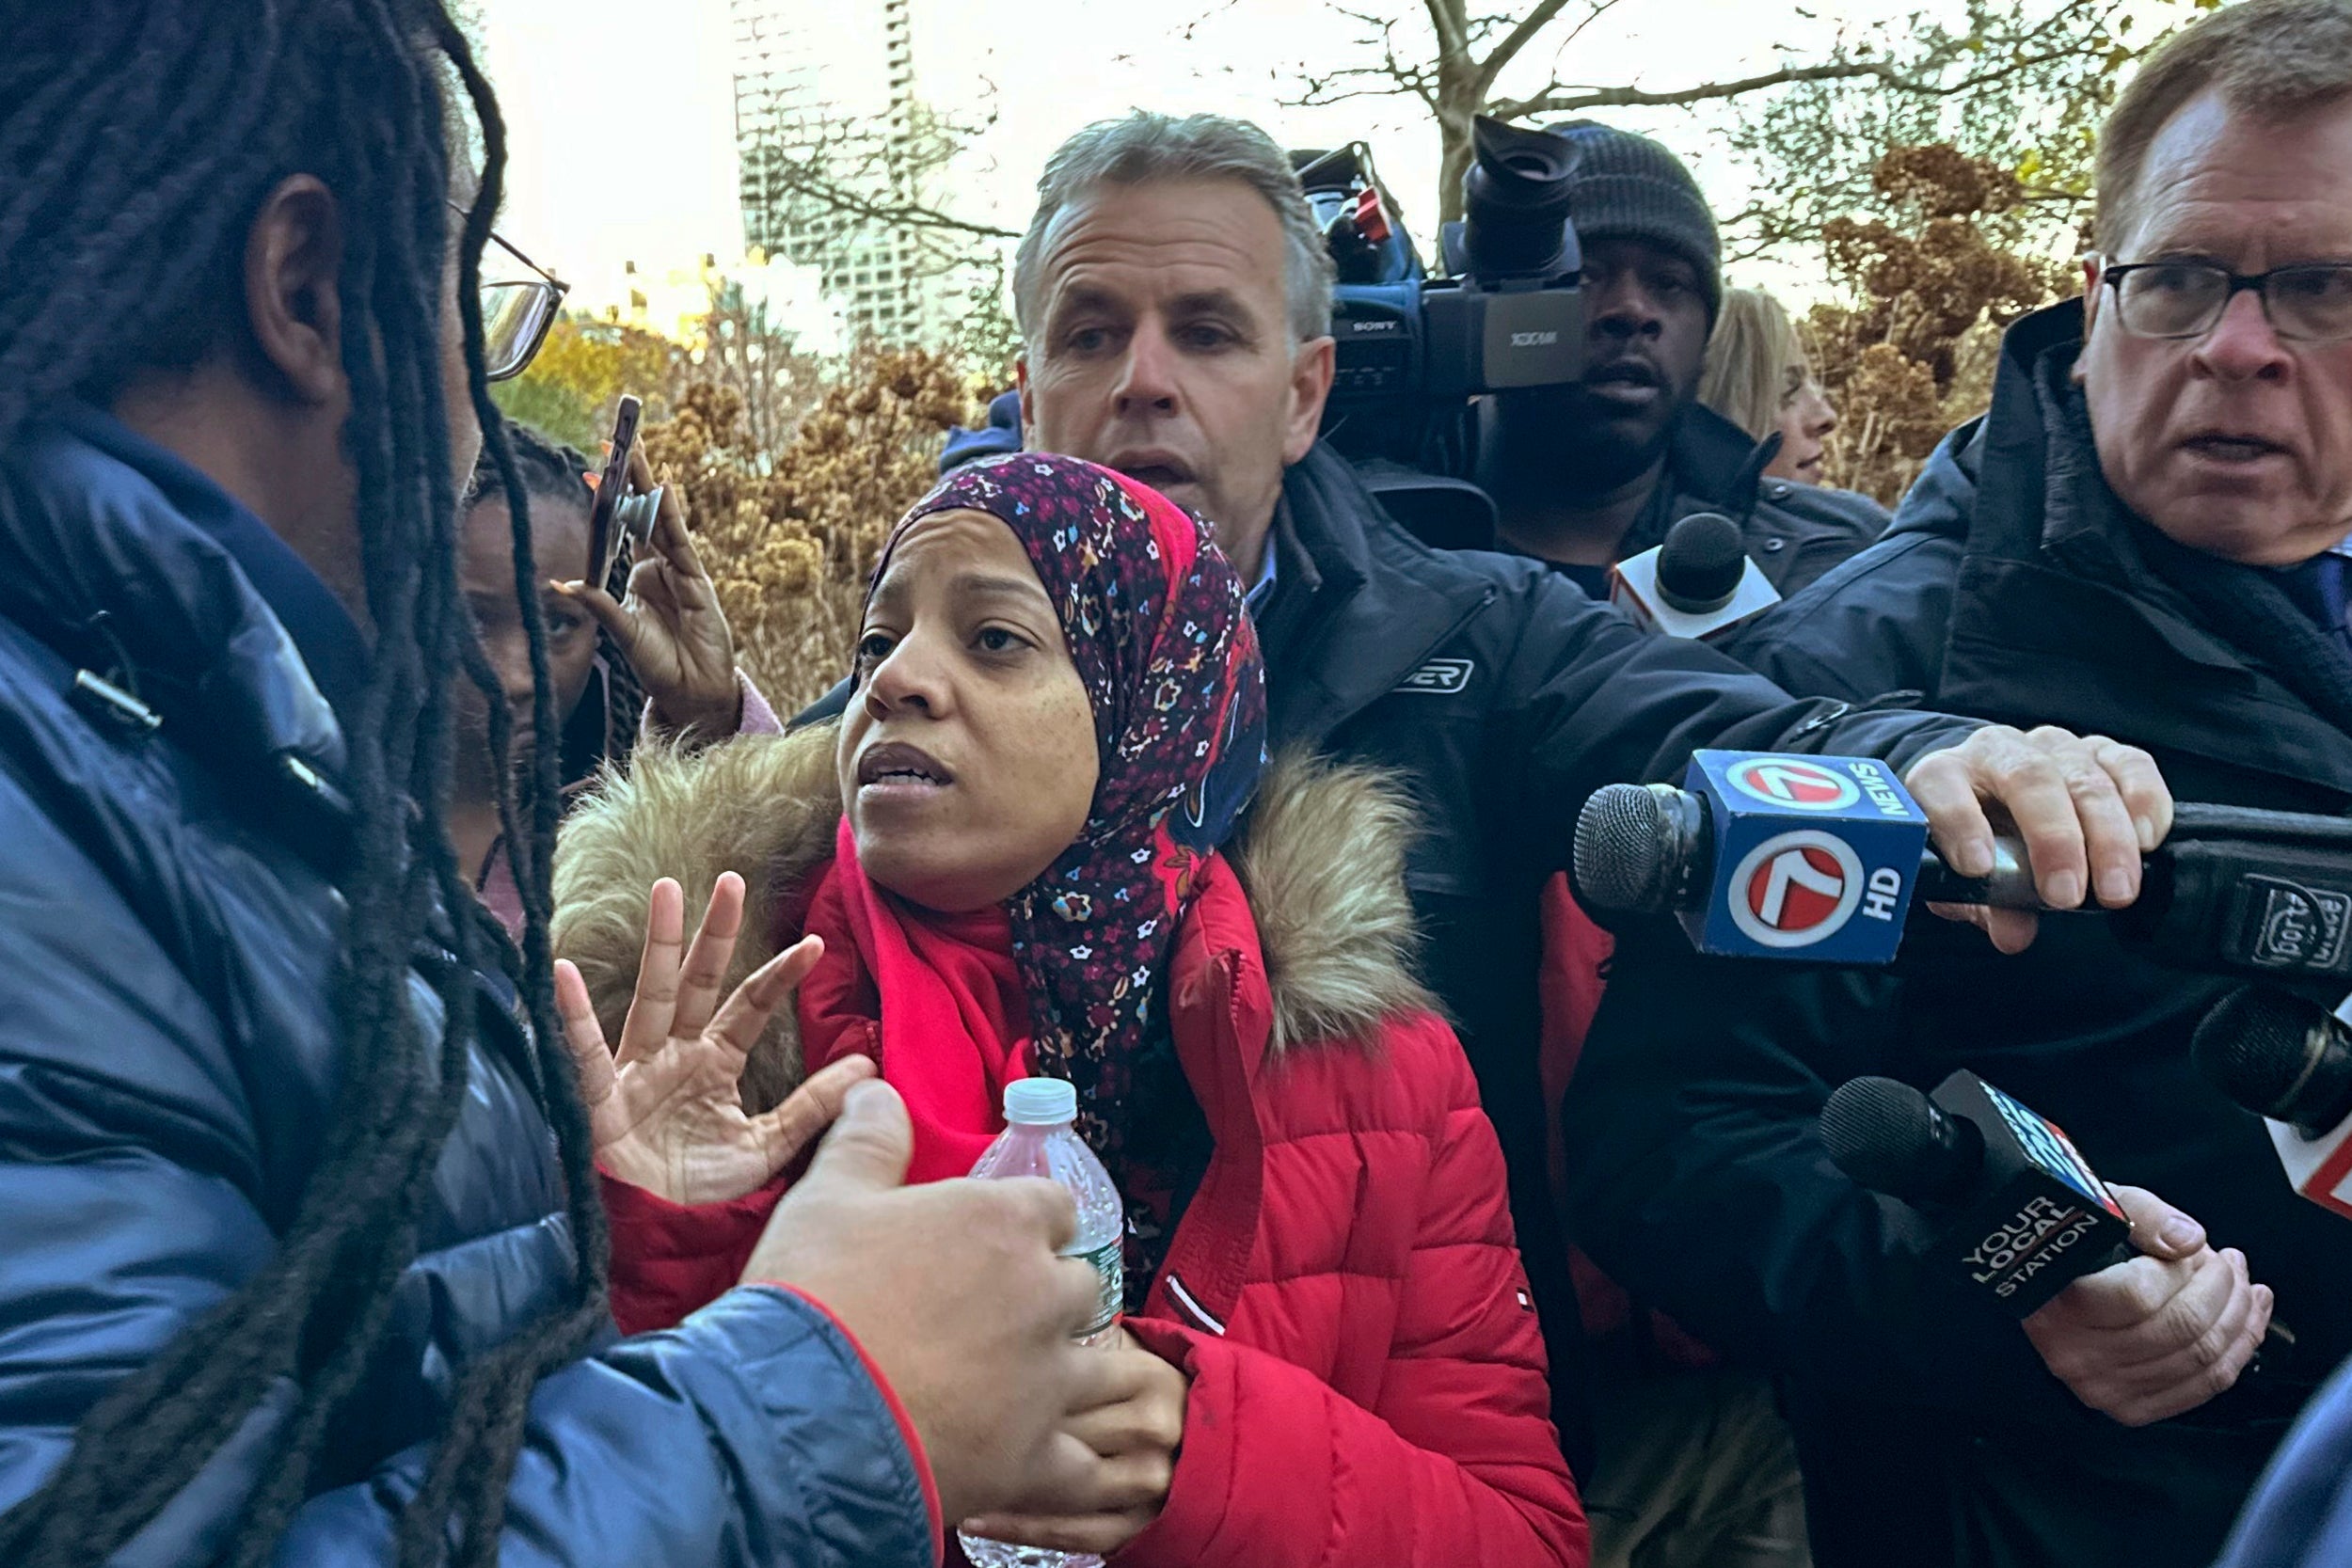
1368 1386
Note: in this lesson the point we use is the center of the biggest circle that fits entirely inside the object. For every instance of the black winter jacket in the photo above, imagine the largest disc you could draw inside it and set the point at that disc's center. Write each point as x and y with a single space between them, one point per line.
2011 587
1504 697
168 1062
1794 532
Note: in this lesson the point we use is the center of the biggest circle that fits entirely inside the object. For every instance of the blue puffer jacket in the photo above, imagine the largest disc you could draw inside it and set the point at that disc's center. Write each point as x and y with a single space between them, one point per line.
167 1070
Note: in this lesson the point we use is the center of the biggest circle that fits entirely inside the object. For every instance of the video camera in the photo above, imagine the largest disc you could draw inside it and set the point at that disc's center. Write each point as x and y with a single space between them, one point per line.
1411 348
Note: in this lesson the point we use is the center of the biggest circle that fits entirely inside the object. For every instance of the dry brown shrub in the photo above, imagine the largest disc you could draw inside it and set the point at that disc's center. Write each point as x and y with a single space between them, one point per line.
790 536
1912 354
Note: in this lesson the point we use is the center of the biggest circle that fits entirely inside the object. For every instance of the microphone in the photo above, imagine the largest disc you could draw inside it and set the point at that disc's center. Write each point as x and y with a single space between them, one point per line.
2290 1062
1761 855
2023 1216
1697 583
1820 859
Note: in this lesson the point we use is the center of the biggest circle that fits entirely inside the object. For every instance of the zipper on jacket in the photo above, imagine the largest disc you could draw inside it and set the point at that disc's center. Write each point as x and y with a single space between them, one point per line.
100 698
1819 721
1191 1307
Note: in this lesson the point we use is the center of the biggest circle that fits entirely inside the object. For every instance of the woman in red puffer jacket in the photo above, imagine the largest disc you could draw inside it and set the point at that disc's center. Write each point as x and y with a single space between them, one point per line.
1013 854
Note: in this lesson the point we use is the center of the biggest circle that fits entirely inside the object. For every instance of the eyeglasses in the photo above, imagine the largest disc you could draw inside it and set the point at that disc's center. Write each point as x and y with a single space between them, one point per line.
519 299
2309 303
517 311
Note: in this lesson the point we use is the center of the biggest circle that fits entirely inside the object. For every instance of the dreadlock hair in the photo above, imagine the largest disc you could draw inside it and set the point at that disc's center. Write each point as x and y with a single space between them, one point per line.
141 139
556 472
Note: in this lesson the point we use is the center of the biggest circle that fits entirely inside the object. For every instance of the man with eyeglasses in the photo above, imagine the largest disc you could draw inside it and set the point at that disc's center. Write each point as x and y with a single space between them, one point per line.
2144 537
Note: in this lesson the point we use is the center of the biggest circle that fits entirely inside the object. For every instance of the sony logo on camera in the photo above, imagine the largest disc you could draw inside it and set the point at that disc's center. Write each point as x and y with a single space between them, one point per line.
2028 1242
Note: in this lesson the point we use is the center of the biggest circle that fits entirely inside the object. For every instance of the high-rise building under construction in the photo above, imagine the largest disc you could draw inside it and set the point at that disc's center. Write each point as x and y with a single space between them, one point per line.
835 147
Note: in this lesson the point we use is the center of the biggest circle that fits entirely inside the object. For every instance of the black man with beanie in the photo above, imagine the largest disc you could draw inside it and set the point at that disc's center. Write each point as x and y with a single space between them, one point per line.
1589 473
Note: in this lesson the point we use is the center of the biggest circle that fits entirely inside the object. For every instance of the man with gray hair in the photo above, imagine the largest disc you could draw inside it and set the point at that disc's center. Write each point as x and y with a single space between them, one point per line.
1174 296
1227 389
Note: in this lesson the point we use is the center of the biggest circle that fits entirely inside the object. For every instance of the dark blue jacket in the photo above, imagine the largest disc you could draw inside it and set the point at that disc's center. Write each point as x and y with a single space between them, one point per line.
2301 1515
1001 435
168 1062
2011 586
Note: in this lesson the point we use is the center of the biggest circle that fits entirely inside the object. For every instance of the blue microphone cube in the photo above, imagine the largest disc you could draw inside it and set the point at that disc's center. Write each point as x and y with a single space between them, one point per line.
1815 858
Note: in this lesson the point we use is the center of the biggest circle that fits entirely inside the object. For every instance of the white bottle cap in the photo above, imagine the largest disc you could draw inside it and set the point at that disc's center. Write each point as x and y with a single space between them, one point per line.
1040 1101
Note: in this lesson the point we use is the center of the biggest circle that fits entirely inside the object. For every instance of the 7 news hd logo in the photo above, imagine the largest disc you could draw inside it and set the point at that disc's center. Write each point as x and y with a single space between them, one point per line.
1815 857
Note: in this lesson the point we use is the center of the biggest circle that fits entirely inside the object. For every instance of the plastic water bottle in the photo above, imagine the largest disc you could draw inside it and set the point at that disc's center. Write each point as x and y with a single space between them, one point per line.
1041 1139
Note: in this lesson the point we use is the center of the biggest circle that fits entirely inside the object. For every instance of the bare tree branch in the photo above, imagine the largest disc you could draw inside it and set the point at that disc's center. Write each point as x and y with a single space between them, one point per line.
862 178
2000 49
1447 19
1561 98
1520 38
1593 12
888 213
1324 94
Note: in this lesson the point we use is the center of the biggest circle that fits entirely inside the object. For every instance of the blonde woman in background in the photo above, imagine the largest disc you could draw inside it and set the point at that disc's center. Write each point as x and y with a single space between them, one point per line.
1758 377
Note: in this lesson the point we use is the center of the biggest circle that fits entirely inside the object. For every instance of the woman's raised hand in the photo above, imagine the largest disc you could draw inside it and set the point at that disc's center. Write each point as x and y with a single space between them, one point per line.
666 1109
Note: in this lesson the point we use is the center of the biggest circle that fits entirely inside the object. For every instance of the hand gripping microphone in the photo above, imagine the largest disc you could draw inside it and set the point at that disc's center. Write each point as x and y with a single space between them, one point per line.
2023 1217
2290 1062
1819 858
1699 582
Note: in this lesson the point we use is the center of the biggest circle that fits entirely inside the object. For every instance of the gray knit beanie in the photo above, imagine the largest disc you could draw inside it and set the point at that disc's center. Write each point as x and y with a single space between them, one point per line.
1627 187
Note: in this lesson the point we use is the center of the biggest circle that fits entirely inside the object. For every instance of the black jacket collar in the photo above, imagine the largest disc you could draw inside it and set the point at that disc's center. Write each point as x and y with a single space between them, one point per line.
1359 604
1712 461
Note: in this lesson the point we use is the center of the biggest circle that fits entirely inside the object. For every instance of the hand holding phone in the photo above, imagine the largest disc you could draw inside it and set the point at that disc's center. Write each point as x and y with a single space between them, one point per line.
666 619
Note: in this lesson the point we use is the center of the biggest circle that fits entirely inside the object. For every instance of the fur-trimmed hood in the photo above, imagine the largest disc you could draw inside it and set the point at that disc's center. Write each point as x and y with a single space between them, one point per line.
1321 858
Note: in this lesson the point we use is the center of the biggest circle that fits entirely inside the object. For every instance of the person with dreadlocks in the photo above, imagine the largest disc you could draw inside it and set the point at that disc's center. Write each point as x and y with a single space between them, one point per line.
656 657
1016 855
304 1260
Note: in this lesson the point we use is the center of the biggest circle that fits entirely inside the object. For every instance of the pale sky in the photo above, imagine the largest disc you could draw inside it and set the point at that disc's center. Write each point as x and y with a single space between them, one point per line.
620 111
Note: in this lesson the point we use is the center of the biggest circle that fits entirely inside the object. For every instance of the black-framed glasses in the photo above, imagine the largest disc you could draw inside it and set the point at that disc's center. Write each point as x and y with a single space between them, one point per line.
2311 303
520 300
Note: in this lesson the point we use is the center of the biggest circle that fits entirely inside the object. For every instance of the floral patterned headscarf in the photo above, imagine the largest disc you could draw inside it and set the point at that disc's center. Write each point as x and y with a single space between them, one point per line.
1154 618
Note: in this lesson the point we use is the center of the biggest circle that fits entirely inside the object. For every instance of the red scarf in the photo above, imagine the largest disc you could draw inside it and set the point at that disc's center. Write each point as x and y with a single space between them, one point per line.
957 1029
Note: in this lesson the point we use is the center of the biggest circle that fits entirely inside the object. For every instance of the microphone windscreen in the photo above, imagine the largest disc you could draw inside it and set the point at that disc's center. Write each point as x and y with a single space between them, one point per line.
1700 564
1625 840
1890 1137
2260 1046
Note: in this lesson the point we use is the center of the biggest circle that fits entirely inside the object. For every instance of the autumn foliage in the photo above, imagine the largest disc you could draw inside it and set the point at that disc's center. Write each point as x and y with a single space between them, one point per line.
791 535
1912 354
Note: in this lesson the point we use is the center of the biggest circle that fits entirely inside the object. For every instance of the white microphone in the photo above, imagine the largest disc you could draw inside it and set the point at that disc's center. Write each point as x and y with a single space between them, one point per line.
1699 582
2289 1061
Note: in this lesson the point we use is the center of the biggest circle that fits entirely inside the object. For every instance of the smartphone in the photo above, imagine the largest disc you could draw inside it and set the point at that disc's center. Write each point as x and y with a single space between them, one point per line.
607 531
